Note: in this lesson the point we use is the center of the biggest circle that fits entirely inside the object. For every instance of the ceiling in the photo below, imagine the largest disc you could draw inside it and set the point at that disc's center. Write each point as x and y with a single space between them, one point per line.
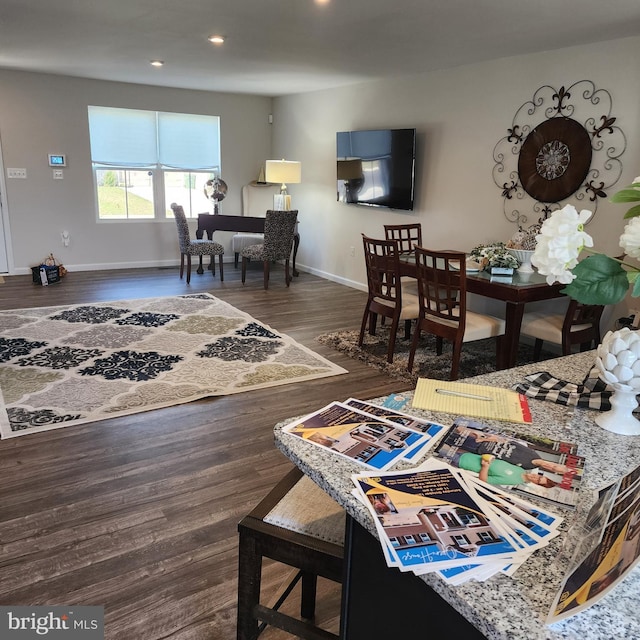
278 47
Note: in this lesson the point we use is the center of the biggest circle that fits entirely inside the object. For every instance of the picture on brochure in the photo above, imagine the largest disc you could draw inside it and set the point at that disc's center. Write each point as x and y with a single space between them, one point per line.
531 465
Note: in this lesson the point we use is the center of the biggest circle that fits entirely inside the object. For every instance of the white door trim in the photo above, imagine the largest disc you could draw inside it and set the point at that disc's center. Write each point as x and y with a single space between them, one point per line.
6 257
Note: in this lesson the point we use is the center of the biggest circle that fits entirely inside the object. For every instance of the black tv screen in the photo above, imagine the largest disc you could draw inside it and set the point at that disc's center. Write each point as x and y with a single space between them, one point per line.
376 167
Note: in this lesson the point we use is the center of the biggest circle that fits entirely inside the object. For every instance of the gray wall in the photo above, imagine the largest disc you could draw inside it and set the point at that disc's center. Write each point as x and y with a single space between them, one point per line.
460 114
42 114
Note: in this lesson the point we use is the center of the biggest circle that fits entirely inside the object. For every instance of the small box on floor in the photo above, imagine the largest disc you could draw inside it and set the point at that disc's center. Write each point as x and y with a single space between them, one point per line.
45 275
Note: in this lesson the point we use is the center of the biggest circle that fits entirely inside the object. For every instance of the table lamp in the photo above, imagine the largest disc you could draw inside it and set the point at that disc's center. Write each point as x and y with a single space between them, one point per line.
283 171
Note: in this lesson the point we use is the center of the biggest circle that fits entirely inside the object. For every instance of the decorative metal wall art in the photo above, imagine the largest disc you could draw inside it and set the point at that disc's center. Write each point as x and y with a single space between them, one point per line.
563 142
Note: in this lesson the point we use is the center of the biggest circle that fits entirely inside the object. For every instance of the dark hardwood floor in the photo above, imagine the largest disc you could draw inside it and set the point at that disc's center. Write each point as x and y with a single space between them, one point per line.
139 514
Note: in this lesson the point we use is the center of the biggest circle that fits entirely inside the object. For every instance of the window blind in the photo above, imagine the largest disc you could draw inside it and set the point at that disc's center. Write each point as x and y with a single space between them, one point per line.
136 138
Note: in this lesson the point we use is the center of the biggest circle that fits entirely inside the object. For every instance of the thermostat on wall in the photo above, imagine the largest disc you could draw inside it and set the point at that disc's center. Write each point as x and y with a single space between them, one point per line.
57 160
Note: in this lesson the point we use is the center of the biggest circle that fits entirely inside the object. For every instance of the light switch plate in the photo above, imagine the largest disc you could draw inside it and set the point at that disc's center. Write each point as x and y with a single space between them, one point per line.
58 174
16 173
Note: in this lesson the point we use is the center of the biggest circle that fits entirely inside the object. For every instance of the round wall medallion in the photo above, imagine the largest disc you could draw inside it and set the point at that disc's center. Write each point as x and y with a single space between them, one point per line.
563 143
555 159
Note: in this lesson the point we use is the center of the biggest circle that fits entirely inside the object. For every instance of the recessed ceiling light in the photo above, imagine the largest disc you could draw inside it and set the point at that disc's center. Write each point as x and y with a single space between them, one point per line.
216 39
157 63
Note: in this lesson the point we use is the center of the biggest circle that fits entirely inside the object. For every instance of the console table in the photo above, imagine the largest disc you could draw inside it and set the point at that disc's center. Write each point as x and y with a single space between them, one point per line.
209 223
381 602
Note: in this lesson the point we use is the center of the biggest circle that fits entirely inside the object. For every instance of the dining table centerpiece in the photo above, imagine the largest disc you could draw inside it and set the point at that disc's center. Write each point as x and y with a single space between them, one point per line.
494 258
521 246
599 279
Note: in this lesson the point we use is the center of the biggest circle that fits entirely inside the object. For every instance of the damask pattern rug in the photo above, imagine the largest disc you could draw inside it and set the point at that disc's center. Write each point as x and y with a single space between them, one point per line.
68 365
477 357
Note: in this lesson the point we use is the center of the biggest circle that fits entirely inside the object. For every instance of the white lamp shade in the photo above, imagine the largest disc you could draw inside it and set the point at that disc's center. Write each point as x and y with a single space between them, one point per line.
283 171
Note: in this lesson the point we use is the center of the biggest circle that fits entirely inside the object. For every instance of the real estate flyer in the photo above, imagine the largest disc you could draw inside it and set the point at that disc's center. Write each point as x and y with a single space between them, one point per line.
431 429
615 554
430 522
547 469
371 441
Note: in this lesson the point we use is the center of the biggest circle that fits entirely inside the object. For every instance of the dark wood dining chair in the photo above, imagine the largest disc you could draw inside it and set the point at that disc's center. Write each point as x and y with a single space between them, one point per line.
408 236
442 295
385 295
297 524
579 325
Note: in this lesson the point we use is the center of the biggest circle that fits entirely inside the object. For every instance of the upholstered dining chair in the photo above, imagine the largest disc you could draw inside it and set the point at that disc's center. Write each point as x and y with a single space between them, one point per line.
256 200
279 228
189 247
385 295
442 295
579 325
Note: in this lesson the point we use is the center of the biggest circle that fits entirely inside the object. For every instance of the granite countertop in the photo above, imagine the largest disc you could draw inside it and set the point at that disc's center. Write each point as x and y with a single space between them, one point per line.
514 608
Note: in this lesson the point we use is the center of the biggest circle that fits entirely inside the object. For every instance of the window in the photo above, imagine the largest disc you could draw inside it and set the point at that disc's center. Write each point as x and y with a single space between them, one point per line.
485 536
145 160
468 518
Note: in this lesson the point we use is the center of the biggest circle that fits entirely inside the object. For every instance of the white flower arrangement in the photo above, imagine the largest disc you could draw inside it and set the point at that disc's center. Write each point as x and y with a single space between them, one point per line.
494 255
598 279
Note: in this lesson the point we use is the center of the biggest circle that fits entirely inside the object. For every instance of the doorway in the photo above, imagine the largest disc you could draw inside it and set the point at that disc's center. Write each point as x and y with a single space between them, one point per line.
4 222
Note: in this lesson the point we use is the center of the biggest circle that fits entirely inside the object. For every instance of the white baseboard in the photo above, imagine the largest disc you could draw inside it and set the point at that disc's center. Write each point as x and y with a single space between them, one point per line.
173 263
332 277
121 265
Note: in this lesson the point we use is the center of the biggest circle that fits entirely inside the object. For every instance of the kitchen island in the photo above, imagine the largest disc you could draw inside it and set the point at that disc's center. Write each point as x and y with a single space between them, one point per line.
378 600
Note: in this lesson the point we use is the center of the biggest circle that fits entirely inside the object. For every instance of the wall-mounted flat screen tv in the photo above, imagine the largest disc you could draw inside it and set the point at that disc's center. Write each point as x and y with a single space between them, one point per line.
376 167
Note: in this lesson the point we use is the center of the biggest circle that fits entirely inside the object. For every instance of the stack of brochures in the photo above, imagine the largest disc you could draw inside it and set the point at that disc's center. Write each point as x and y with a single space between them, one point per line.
456 513
439 518
374 436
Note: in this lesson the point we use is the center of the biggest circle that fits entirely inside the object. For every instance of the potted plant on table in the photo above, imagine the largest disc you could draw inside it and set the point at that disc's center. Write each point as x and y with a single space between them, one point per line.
495 258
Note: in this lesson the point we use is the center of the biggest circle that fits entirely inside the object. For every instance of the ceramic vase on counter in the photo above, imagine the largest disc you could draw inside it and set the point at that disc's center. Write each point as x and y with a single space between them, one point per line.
618 362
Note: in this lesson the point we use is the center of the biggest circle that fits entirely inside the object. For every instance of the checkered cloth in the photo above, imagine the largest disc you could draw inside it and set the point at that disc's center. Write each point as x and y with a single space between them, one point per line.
593 393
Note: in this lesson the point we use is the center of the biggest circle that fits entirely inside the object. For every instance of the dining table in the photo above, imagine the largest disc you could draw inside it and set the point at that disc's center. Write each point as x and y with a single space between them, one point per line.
514 290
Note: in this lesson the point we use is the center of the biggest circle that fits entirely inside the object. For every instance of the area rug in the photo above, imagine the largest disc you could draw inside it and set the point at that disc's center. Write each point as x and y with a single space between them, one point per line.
68 365
477 357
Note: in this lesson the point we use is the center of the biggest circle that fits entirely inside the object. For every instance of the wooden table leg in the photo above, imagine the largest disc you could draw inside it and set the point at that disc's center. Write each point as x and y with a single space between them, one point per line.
514 313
